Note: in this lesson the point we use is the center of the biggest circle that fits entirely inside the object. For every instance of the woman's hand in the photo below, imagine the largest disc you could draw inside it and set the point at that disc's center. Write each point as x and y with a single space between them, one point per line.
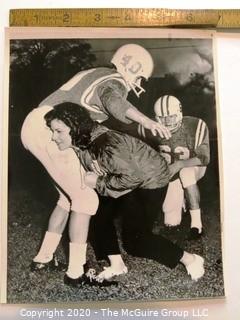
175 167
91 179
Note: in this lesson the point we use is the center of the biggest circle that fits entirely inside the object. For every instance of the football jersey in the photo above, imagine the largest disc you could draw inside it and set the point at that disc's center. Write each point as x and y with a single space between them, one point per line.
190 140
101 91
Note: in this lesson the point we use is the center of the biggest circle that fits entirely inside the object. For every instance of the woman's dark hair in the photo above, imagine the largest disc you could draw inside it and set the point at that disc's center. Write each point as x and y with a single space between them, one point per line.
76 118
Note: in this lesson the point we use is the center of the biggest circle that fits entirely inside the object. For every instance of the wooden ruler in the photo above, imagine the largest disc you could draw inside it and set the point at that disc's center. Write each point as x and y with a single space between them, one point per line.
96 17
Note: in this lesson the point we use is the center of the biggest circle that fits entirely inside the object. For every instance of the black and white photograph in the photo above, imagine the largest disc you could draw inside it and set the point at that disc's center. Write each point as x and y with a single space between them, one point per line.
114 166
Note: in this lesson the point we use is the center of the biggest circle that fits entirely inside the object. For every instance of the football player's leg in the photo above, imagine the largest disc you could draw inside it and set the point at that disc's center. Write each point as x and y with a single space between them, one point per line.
63 166
173 203
35 137
78 231
34 134
52 237
189 178
84 204
56 226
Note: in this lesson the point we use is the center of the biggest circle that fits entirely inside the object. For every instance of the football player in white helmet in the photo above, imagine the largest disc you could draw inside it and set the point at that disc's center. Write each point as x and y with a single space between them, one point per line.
188 149
168 111
133 62
103 93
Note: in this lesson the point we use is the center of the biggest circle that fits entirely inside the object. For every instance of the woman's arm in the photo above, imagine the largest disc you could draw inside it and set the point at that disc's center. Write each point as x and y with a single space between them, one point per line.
112 185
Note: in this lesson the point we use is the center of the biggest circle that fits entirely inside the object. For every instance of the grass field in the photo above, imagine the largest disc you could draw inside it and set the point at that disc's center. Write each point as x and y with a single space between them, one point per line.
146 279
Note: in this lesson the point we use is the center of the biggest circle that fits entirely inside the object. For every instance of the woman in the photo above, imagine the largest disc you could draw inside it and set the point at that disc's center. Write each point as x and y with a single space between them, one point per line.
119 164
103 93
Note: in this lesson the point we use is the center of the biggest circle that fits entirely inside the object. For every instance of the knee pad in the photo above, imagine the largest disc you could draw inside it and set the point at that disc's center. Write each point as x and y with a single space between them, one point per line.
87 202
188 177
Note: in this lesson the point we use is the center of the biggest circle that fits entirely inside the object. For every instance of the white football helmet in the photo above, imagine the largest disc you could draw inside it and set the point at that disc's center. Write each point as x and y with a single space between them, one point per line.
168 112
133 62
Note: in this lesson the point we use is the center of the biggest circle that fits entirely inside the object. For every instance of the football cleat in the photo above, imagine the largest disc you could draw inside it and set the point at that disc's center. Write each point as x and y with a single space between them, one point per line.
75 282
196 268
89 278
194 234
53 265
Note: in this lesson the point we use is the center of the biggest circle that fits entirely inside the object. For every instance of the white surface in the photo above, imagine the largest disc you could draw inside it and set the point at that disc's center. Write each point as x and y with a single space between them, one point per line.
228 64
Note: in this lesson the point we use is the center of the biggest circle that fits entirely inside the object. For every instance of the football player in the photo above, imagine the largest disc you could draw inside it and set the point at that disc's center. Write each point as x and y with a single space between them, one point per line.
103 92
189 149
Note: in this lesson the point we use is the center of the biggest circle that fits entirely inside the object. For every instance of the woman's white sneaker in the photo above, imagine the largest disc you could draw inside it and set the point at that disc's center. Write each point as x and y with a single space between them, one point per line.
110 272
196 268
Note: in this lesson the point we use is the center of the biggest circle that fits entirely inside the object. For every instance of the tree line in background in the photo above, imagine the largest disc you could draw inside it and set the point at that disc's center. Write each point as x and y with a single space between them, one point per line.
38 67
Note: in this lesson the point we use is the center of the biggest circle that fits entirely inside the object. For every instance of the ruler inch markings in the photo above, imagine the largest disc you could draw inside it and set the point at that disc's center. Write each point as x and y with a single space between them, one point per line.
124 17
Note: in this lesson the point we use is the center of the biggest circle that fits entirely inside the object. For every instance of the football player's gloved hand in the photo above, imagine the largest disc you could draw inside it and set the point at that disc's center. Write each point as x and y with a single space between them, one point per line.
157 129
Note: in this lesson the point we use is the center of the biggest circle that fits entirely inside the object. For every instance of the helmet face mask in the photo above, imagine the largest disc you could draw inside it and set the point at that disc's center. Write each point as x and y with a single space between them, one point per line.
171 122
168 112
133 62
136 86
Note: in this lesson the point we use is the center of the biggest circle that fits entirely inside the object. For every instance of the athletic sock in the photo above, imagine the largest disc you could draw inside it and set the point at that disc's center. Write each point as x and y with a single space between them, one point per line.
49 245
196 221
77 259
